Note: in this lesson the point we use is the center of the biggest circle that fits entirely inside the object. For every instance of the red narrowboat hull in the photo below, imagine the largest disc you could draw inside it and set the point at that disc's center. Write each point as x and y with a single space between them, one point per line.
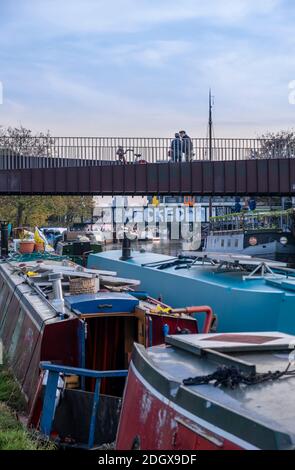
150 421
30 337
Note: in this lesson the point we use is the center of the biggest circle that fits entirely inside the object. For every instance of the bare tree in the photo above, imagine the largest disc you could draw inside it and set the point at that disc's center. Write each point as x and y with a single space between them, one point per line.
20 141
276 145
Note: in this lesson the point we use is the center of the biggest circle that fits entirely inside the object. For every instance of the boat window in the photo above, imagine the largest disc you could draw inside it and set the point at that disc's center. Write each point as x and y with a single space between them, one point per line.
222 242
236 243
229 242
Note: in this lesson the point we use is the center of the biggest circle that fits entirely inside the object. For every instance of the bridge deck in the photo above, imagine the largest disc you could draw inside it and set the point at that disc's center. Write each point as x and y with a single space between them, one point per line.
260 177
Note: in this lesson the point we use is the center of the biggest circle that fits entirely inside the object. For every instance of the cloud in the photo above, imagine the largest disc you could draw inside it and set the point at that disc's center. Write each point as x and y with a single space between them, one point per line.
130 66
101 16
147 53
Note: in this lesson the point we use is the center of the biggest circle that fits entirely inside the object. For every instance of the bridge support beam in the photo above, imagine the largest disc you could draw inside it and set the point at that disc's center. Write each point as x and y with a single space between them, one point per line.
274 177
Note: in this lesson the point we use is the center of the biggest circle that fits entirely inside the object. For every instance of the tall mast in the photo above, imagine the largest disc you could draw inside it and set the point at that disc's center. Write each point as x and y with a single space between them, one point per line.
210 125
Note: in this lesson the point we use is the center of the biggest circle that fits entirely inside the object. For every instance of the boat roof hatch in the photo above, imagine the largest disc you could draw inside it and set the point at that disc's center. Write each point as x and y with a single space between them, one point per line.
221 348
102 304
233 342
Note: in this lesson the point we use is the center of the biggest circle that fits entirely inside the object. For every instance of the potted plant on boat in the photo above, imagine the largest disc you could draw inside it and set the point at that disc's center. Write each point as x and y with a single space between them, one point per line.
39 247
27 244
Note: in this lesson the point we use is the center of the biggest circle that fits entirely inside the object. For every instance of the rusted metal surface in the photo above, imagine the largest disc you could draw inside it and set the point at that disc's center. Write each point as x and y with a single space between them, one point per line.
261 177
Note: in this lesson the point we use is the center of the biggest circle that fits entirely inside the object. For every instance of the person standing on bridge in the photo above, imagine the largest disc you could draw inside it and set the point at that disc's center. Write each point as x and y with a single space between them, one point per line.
176 149
187 146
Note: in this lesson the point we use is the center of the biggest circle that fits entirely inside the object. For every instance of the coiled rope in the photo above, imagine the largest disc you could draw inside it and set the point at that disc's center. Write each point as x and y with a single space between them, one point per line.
232 377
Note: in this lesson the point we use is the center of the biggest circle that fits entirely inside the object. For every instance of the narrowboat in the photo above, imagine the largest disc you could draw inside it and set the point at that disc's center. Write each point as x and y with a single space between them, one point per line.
245 293
262 234
211 392
56 314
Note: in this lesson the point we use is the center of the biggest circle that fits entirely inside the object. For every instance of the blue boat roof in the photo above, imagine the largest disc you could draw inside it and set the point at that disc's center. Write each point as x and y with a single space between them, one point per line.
102 302
205 273
239 304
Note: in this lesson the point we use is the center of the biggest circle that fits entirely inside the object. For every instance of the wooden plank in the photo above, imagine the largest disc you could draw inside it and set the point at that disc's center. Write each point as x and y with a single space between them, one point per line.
152 178
72 180
95 180
186 178
118 179
197 177
230 178
140 178
273 176
38 181
219 177
208 178
284 178
4 187
163 177
292 176
174 177
106 179
49 180
252 177
262 176
84 179
130 179
60 179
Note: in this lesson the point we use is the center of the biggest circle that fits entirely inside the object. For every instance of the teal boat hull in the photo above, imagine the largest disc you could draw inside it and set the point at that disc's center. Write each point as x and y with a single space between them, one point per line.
240 305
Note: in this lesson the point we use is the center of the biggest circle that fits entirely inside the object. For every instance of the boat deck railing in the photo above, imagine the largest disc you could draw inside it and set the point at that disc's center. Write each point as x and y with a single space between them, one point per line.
252 220
54 371
246 230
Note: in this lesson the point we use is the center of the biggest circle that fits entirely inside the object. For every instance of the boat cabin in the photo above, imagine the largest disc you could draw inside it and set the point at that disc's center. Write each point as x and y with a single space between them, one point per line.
62 315
253 232
211 392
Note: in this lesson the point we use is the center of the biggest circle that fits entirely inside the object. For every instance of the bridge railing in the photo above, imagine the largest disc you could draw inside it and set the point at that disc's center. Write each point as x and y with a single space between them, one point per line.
40 152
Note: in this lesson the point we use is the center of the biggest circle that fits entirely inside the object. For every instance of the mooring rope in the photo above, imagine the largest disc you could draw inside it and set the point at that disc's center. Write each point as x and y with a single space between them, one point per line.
232 377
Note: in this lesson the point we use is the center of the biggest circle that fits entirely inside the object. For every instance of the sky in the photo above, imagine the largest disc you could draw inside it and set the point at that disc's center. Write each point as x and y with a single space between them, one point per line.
144 67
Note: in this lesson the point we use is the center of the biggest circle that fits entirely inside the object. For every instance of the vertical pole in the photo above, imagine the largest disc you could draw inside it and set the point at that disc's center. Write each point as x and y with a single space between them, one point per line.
150 331
82 340
210 125
210 144
94 414
49 403
126 243
4 239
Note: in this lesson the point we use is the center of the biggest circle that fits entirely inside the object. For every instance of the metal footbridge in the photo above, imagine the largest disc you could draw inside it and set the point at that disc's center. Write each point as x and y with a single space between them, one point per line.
145 166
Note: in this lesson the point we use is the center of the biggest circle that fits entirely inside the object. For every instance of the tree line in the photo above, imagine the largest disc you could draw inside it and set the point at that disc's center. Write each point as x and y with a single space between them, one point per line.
38 210
45 210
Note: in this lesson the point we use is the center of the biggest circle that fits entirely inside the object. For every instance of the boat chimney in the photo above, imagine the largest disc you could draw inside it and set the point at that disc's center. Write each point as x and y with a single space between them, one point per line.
4 239
58 300
126 248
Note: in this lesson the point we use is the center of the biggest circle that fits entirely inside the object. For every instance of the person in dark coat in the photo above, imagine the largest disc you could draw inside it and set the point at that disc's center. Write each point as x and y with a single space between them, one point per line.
176 149
238 206
187 146
252 204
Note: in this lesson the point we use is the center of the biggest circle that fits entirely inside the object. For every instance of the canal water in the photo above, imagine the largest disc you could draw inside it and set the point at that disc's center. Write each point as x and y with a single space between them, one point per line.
165 247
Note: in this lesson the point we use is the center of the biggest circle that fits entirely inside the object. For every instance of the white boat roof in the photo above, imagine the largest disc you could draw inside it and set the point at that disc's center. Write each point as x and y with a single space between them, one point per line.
233 342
